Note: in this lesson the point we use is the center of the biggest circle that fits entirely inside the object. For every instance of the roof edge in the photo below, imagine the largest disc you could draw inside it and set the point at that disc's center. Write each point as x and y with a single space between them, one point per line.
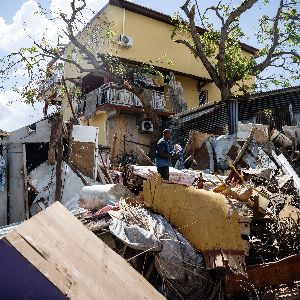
269 93
150 13
160 68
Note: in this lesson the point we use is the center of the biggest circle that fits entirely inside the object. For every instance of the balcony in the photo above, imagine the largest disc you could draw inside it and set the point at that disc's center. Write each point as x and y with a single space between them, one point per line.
108 95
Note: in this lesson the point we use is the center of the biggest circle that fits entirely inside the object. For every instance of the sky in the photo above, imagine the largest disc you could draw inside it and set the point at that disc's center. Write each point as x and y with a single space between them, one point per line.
18 20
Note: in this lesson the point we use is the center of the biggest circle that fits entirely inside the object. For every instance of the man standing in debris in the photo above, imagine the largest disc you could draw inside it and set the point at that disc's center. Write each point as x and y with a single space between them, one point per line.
164 154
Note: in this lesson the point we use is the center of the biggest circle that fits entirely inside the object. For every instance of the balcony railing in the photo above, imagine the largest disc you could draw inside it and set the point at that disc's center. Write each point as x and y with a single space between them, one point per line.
108 95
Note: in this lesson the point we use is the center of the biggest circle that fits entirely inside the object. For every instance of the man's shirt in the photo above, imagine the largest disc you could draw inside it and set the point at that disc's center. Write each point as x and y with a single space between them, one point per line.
165 147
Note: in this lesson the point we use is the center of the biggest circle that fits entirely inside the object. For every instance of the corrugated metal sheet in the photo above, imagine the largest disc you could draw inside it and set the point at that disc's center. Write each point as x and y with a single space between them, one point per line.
210 120
213 117
232 109
279 99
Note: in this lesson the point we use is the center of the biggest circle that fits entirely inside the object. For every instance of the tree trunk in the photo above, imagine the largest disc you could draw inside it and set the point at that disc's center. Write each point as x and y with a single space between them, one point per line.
59 159
53 140
151 113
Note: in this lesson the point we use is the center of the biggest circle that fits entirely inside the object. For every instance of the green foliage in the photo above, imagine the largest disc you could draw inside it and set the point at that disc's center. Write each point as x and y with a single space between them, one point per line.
238 66
109 34
278 36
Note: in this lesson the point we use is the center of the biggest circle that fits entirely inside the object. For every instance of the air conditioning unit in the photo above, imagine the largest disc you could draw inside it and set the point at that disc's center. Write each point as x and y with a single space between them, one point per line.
146 126
125 41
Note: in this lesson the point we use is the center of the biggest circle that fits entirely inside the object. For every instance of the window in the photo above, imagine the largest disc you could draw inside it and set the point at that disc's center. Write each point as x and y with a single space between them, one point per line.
95 37
202 97
74 55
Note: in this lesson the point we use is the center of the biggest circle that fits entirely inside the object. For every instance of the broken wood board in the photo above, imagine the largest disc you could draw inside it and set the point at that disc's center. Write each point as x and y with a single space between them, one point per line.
284 271
83 153
196 140
289 212
288 169
82 157
72 259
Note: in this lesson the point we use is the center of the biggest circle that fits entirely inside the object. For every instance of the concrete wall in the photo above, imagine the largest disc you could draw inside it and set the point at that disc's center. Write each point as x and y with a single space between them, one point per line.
126 125
16 183
15 155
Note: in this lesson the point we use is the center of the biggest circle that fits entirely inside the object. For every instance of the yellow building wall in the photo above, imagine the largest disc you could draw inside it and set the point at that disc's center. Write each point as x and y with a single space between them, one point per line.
213 93
67 112
99 120
152 44
103 22
190 90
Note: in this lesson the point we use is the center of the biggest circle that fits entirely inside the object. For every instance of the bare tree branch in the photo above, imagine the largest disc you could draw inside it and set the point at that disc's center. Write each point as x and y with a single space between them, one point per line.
198 44
263 65
234 15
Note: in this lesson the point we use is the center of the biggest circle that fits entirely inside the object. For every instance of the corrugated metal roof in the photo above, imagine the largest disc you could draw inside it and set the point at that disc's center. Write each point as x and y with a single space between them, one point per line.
213 117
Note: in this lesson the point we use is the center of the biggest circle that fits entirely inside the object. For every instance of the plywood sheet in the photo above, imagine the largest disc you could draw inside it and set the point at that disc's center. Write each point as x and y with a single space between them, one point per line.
82 157
75 260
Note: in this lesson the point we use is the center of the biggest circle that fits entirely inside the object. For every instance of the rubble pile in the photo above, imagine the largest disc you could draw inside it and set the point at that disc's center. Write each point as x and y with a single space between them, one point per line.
227 225
173 232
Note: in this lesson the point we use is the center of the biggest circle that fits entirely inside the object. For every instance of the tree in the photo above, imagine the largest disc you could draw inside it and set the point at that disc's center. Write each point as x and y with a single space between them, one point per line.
220 48
35 60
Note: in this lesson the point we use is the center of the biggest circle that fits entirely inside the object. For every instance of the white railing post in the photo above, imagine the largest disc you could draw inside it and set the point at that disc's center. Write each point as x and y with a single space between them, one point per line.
126 98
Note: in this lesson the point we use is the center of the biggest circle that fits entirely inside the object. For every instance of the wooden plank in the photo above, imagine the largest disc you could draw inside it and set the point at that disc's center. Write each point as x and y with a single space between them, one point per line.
50 271
26 204
285 271
60 241
53 141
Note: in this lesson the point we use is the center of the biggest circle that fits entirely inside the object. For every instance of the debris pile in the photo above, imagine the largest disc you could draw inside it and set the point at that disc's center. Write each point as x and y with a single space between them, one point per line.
224 226
234 215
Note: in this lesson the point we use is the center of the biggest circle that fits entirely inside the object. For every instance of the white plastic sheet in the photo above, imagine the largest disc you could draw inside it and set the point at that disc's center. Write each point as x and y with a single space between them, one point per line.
179 264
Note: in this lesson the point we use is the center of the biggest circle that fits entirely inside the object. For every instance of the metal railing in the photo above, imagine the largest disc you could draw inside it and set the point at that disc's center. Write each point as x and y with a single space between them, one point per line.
109 95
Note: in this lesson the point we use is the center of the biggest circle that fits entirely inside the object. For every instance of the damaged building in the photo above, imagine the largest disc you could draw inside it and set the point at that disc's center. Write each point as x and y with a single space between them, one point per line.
278 108
224 226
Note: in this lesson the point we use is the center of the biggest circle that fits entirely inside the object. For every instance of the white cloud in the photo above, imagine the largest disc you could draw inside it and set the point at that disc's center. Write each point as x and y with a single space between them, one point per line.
28 21
15 35
15 114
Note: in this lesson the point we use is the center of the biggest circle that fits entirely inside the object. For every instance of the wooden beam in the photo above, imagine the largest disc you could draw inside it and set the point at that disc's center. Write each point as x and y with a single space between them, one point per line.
284 271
